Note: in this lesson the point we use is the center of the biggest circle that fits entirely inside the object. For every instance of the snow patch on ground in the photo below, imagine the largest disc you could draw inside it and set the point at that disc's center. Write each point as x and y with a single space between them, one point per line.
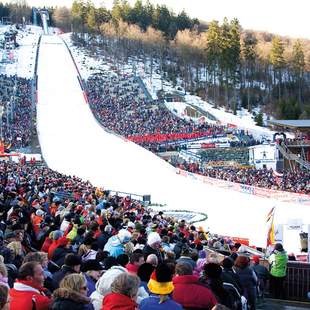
23 62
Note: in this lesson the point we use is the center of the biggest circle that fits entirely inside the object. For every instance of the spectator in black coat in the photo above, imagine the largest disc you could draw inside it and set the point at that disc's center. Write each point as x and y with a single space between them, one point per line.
153 247
248 279
72 265
60 253
229 275
106 233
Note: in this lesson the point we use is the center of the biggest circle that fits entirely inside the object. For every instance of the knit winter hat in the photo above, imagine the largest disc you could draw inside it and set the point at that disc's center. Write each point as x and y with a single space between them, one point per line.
161 280
72 260
91 264
153 237
144 271
278 247
213 270
227 262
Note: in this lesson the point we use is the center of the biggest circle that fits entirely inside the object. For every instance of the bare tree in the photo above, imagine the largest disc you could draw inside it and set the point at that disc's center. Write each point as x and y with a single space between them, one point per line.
62 18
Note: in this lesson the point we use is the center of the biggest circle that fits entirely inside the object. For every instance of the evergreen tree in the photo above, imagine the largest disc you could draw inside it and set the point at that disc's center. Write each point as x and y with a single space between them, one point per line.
289 109
162 18
259 119
213 49
234 57
298 63
121 10
91 19
140 16
4 11
103 15
277 60
249 57
79 14
183 21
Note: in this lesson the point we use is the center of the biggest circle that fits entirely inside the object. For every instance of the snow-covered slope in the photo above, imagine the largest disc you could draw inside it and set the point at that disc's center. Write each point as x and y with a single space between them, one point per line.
72 142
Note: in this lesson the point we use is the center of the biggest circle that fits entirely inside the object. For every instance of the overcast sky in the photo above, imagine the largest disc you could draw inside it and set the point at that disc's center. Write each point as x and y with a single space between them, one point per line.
285 17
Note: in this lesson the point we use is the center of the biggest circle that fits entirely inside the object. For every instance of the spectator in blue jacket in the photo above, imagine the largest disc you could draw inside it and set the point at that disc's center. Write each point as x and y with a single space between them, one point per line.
116 244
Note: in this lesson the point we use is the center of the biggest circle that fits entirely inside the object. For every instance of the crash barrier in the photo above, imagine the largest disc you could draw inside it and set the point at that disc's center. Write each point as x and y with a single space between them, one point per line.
62 195
79 77
160 137
248 189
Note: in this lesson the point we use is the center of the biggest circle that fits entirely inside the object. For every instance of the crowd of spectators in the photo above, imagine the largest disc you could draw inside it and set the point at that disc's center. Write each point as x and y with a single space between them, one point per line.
17 124
120 105
297 181
65 244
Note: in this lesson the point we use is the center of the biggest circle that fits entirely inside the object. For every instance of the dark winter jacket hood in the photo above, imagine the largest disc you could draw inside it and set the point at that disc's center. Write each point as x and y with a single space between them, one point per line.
70 294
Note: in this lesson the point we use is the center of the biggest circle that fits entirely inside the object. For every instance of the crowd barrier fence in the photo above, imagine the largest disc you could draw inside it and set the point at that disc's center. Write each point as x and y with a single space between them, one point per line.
297 282
249 189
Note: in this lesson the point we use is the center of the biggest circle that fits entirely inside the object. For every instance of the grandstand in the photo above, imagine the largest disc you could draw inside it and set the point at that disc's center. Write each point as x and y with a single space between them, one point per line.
225 157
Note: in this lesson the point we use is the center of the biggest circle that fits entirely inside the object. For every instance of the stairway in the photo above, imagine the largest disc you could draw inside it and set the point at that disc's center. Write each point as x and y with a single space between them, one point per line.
145 90
291 156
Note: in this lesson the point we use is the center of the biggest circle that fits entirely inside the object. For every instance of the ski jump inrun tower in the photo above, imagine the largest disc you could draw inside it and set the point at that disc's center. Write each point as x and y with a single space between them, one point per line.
45 18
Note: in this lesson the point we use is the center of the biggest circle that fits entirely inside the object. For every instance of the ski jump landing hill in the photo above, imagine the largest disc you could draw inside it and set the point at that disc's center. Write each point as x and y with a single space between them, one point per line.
73 143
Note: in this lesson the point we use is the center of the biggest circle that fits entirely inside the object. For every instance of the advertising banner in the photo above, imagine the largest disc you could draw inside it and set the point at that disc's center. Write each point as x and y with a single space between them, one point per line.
278 233
252 190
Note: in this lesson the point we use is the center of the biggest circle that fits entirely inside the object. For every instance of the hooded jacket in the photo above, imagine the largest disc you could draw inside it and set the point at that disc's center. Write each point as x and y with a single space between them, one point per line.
103 285
55 244
199 296
114 246
65 299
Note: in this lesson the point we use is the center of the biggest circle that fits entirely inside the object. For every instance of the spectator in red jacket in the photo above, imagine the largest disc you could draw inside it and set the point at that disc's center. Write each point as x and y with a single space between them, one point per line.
200 297
124 293
28 292
62 241
135 261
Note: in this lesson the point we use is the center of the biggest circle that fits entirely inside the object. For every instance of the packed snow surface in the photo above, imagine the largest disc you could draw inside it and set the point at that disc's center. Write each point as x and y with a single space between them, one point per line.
73 142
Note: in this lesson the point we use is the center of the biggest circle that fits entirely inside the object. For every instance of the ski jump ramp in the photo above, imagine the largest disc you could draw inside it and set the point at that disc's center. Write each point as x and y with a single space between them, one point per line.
73 143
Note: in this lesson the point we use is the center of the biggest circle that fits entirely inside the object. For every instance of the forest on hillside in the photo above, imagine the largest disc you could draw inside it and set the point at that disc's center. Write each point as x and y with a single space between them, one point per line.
220 61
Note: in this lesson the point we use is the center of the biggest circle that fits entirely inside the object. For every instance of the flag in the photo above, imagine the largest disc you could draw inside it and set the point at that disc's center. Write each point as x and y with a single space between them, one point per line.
270 214
271 230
